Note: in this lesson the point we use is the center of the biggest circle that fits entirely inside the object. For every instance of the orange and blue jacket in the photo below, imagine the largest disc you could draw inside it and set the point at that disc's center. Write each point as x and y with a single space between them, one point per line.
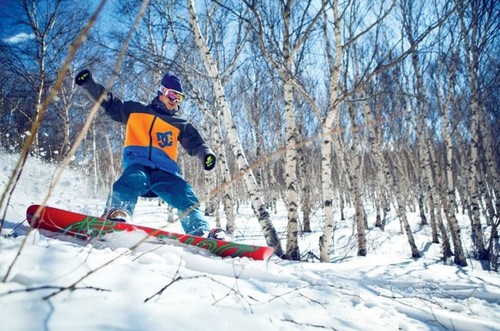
152 132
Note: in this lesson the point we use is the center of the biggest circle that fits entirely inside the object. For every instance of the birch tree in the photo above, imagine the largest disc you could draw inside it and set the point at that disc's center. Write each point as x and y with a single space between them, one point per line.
222 163
356 175
374 118
448 187
330 122
478 24
411 14
280 48
292 246
253 190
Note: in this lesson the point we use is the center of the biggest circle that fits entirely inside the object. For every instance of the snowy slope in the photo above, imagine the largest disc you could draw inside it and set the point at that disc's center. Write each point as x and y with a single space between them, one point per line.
54 282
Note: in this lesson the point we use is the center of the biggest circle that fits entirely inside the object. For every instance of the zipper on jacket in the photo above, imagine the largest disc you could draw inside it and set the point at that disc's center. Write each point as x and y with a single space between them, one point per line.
151 138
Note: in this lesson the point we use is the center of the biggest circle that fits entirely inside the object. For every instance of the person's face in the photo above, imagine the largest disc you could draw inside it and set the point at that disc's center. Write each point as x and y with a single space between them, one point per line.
171 105
170 98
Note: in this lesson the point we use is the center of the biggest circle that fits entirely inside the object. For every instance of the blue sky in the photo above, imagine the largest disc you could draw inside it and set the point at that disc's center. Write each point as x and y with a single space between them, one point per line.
8 18
11 12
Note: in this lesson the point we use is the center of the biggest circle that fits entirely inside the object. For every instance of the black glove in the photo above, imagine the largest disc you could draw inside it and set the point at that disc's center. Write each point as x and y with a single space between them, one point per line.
209 162
83 76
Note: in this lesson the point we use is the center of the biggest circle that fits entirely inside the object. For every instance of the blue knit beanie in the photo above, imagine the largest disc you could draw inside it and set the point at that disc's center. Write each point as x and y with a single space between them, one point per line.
172 82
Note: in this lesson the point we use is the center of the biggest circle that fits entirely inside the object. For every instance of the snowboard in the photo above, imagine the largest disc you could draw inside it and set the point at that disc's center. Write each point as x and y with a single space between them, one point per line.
85 227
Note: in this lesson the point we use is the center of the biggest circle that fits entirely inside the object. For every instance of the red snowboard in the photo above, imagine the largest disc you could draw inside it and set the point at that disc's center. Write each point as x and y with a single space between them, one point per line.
85 226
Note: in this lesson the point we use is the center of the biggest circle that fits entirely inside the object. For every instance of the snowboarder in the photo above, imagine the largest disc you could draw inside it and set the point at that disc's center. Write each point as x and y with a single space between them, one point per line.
150 153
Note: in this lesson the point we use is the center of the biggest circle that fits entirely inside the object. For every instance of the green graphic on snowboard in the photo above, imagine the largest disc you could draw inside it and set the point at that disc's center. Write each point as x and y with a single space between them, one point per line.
97 227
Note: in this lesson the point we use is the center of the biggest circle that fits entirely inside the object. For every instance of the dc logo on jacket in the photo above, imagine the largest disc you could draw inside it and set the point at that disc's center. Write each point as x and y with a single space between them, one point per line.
165 139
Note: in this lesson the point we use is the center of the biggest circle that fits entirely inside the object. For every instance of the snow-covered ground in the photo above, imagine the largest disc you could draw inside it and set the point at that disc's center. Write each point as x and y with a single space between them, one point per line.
53 282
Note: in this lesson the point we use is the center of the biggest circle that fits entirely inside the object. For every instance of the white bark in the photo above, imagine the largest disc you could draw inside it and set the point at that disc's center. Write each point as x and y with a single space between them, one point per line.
327 129
292 245
356 174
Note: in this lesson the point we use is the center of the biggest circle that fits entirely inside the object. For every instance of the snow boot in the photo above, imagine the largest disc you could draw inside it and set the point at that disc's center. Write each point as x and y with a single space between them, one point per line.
217 234
118 215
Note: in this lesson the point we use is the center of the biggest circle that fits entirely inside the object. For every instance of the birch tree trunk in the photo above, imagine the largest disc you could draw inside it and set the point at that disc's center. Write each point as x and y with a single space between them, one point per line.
356 188
63 106
401 209
472 183
41 30
474 36
253 190
434 207
305 197
292 245
449 207
475 186
332 117
327 191
380 165
440 203
448 195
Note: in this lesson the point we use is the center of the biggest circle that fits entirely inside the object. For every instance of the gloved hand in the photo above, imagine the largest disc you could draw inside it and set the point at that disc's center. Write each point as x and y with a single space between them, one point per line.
209 162
92 89
82 77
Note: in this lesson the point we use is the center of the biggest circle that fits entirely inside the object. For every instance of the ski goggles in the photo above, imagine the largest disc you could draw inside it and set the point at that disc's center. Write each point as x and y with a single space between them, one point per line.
172 95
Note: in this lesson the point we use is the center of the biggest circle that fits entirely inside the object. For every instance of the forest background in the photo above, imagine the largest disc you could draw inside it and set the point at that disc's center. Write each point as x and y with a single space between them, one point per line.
320 104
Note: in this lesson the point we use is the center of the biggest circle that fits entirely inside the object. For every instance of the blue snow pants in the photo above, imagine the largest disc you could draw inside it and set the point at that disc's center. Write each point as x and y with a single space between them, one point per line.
138 180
